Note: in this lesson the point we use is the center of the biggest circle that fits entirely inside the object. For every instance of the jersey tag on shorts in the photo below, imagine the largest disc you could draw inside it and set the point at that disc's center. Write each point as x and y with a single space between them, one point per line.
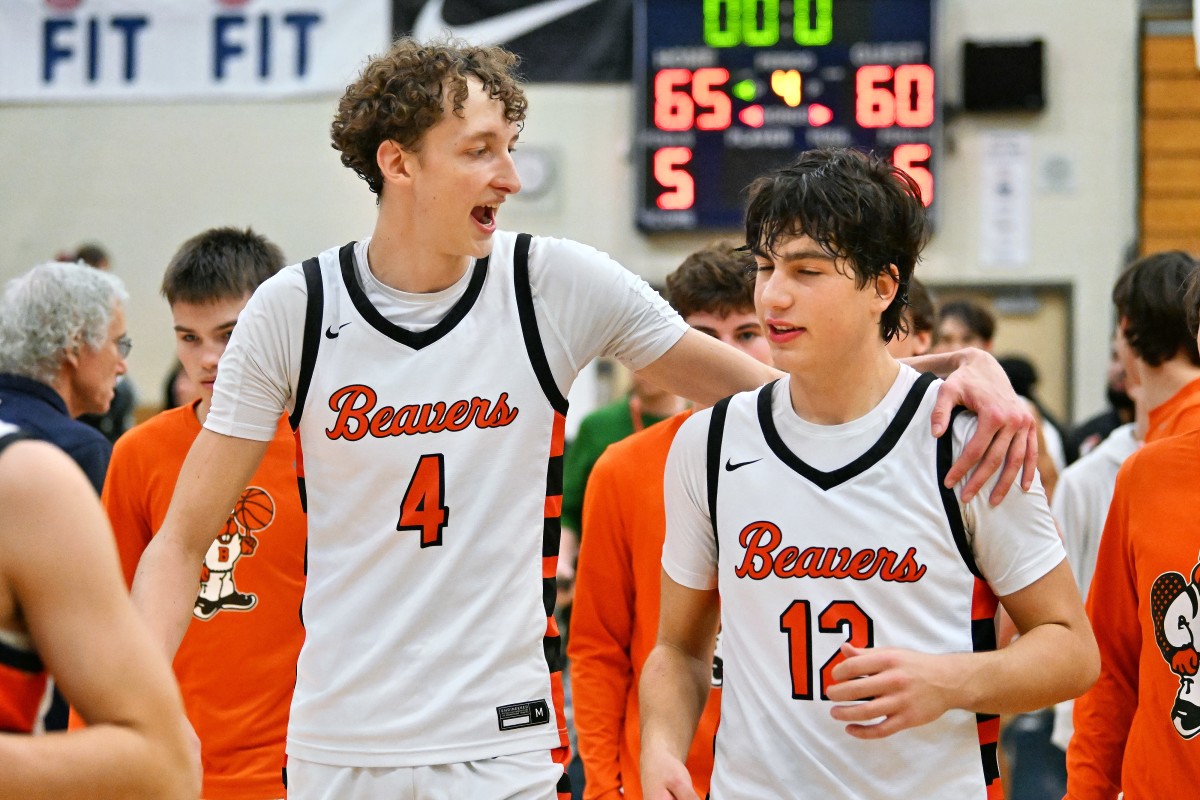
523 715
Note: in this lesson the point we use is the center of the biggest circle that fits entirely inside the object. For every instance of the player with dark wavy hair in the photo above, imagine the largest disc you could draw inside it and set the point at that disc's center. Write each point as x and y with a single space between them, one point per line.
854 591
870 222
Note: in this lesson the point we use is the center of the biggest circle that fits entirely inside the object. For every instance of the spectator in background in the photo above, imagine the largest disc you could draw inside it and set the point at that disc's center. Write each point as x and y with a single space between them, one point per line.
62 347
178 388
119 417
1088 434
962 323
1024 378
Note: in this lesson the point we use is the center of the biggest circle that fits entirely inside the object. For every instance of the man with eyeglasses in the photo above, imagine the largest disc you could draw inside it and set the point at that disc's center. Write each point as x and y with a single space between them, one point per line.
62 346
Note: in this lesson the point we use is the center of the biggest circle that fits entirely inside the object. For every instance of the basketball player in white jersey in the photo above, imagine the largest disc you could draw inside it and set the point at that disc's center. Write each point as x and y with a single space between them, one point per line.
426 371
856 593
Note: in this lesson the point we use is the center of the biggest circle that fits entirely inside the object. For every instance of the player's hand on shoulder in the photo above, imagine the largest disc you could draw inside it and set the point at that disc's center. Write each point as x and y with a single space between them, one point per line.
665 777
1006 435
890 689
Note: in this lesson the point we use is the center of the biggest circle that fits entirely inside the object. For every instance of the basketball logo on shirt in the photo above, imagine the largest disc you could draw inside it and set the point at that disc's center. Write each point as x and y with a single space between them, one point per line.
253 512
1175 611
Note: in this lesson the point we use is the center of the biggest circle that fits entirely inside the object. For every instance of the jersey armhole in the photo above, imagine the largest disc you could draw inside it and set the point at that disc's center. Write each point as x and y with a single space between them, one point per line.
945 458
716 432
529 326
314 313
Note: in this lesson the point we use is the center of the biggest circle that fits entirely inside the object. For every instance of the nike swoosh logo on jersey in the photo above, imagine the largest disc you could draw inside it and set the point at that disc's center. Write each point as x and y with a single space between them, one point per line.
730 466
330 333
501 28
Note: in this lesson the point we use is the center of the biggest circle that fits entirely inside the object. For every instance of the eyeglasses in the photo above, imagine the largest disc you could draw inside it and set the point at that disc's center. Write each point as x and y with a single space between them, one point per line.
124 345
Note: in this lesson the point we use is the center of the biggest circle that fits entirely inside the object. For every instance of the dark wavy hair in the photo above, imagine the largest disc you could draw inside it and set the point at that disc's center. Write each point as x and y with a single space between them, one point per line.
403 93
714 280
857 207
1150 297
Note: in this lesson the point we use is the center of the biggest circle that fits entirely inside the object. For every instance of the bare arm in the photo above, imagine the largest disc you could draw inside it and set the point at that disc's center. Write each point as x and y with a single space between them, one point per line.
1007 432
60 580
1054 659
704 370
215 472
674 688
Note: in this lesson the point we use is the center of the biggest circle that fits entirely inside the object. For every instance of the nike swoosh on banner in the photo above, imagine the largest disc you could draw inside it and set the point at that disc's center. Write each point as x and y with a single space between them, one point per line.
730 466
501 28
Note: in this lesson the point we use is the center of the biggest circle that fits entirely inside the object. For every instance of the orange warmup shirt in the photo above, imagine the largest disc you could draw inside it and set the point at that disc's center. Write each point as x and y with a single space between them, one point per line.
1178 415
237 664
614 622
1134 729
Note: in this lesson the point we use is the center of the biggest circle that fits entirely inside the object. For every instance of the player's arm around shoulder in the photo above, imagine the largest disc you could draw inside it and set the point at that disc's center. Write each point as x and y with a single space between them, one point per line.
676 676
215 472
59 575
703 369
1016 547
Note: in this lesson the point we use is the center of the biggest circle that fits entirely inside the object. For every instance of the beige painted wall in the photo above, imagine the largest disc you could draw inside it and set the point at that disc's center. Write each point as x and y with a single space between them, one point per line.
141 178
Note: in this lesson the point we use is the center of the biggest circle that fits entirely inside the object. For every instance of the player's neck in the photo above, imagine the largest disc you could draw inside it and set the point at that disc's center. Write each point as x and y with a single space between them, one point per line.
842 390
1161 383
408 259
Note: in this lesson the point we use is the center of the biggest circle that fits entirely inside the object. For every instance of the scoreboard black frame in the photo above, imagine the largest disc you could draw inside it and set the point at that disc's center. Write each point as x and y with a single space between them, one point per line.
727 89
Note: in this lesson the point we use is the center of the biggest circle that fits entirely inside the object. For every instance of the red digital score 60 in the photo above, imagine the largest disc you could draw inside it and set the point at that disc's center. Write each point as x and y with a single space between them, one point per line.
909 104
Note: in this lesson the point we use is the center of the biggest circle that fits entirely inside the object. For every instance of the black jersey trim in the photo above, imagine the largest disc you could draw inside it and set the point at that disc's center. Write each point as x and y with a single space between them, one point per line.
945 457
314 312
15 657
529 326
414 339
828 480
716 432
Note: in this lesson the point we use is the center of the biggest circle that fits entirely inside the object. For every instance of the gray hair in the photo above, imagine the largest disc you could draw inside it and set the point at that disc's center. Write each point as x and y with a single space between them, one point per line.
51 310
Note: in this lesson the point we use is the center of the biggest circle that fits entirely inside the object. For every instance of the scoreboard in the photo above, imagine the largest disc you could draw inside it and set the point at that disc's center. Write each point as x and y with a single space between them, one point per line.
727 89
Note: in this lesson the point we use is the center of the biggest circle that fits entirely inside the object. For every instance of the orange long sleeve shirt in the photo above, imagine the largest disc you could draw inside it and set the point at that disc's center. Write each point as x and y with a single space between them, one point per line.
1134 729
614 623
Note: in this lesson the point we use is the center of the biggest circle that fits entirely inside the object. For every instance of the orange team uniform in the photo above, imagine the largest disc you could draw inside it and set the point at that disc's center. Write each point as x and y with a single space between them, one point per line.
236 665
1178 415
614 622
1136 729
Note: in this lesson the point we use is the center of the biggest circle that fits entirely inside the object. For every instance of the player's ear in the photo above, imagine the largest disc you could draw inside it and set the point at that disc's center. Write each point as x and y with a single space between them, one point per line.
887 283
394 162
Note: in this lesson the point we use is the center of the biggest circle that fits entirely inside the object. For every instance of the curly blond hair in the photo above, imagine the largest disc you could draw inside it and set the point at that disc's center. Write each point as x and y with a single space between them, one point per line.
403 93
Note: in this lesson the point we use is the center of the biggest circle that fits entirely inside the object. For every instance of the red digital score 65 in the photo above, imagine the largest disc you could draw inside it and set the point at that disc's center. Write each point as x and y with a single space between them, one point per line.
675 104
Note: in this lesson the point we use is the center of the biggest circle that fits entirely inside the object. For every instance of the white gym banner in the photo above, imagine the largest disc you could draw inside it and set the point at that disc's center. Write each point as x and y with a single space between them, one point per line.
128 50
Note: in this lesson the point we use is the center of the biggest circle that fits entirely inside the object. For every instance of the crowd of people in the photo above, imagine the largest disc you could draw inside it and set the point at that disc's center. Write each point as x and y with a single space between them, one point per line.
804 565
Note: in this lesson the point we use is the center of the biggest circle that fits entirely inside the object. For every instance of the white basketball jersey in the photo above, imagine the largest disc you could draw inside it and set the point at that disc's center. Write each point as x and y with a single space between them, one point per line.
873 553
428 610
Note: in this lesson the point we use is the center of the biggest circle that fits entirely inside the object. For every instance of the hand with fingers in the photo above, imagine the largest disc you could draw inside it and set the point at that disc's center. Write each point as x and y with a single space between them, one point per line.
1006 435
903 687
665 776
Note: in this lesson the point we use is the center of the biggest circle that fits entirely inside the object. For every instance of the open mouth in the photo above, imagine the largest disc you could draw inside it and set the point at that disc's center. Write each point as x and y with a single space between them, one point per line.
484 215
